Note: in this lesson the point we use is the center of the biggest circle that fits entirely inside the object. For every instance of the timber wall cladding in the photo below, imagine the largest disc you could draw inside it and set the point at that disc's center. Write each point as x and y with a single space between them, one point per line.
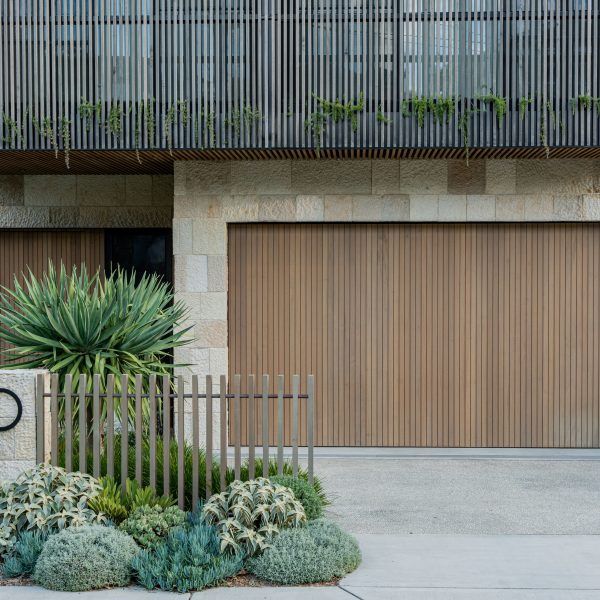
425 335
21 250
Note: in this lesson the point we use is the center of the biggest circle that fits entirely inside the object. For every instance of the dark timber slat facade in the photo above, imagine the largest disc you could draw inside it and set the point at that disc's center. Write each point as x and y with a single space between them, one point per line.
243 74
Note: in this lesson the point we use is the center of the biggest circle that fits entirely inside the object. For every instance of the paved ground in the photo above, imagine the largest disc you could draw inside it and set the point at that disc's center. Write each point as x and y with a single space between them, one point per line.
464 495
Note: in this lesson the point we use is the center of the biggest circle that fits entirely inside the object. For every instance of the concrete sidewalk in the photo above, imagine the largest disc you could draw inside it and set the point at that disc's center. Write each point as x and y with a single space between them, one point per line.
423 567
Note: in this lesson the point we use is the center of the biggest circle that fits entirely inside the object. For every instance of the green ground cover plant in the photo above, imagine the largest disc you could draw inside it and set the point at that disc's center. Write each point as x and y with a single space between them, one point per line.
117 503
86 558
149 525
318 552
189 559
24 554
304 492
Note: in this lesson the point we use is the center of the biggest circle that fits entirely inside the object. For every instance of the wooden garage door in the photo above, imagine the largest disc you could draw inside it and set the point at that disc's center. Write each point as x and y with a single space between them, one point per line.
426 335
23 250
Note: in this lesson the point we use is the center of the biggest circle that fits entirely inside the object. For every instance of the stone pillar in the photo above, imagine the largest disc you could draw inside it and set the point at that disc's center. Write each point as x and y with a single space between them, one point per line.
17 445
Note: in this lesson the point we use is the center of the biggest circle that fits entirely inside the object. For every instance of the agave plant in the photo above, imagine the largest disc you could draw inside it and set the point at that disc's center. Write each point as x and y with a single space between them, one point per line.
249 514
74 323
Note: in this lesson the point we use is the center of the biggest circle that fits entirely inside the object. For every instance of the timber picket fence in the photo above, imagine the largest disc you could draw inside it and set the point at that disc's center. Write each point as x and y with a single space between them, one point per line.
151 405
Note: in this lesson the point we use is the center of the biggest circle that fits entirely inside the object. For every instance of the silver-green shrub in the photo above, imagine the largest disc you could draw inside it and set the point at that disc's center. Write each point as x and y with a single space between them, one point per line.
318 552
148 525
249 514
46 499
188 559
86 558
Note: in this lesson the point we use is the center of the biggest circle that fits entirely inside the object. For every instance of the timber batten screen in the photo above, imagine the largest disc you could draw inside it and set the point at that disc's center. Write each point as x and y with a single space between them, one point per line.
426 335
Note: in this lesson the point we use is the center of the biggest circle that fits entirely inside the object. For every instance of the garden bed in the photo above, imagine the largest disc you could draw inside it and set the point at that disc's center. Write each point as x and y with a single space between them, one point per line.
71 532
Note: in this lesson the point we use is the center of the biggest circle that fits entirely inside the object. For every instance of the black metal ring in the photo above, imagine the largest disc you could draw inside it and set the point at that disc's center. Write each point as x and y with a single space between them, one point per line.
19 409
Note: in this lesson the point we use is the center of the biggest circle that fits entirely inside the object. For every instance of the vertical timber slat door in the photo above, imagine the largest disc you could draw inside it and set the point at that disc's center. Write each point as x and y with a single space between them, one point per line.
21 250
470 335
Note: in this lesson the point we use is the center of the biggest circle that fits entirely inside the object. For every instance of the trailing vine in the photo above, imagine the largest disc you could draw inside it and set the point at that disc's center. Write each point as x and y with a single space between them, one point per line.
335 110
15 132
523 105
464 126
114 122
381 118
168 125
65 132
441 107
87 111
582 102
498 102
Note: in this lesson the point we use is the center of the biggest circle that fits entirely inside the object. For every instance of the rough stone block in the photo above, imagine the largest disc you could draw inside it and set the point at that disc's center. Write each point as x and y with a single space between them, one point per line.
7 441
466 179
201 206
568 208
11 190
212 334
277 208
501 177
510 208
309 208
101 190
219 361
261 177
210 236
558 176
337 208
424 177
25 443
424 207
49 190
125 216
217 274
191 301
63 216
196 272
162 190
138 190
367 208
452 207
240 209
396 208
180 177
10 469
481 208
213 305
591 207
207 177
331 177
538 207
182 236
24 217
385 177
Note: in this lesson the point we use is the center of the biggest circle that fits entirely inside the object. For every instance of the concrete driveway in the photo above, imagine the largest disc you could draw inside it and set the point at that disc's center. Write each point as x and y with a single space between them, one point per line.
463 492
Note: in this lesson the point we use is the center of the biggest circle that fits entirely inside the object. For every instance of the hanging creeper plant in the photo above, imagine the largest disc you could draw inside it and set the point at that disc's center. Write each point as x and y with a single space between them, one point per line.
498 103
65 132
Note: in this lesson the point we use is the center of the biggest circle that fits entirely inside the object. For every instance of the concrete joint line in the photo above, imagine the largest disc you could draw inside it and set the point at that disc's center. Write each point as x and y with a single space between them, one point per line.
349 592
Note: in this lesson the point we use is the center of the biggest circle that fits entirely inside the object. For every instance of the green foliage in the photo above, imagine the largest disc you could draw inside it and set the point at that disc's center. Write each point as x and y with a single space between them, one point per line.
581 102
318 552
188 457
118 503
87 111
189 559
464 126
115 116
381 118
498 103
45 499
304 493
86 558
250 514
15 132
334 110
65 132
148 525
523 104
80 324
441 107
24 554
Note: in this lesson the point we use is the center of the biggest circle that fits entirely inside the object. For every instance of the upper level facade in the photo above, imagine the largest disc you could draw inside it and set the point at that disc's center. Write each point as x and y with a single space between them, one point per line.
299 77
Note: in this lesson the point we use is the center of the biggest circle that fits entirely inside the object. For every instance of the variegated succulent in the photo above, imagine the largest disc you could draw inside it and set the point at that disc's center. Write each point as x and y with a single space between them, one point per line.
249 514
47 499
